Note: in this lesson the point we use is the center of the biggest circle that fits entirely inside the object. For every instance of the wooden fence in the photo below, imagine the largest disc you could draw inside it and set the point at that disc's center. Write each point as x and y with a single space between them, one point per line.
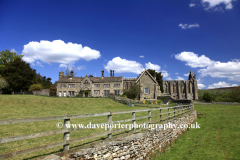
181 109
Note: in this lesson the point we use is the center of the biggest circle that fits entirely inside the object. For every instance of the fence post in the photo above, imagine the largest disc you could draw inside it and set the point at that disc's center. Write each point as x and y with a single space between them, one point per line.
109 125
160 115
133 122
66 136
174 112
168 113
179 108
149 116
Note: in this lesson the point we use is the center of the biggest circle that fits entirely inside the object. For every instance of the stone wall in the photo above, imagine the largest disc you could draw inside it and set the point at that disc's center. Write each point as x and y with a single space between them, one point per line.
44 92
136 146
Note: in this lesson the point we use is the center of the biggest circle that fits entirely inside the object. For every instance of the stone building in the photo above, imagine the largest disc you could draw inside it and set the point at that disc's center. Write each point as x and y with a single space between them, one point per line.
105 86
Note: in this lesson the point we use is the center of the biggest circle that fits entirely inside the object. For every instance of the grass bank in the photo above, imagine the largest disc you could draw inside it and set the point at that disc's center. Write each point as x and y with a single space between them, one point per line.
28 106
218 137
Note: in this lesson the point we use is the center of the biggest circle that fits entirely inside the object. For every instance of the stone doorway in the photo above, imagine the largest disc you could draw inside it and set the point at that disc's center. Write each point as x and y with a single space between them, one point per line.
86 94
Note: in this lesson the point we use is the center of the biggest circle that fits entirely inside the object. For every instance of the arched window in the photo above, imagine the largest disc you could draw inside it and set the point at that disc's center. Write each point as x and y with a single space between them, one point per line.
126 85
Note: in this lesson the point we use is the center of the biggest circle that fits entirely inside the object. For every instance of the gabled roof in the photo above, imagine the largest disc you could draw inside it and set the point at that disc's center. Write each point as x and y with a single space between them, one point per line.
145 71
69 79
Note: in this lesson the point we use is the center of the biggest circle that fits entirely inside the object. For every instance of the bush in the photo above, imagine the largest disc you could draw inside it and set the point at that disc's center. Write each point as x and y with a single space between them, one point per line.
207 97
35 87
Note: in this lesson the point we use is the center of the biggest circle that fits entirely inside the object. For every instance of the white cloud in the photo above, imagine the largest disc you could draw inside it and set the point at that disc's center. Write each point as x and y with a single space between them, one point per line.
39 64
215 4
81 68
200 86
165 74
156 67
220 85
141 56
230 70
176 73
57 51
120 65
169 78
63 66
235 85
186 74
179 78
185 26
192 4
13 50
193 60
215 69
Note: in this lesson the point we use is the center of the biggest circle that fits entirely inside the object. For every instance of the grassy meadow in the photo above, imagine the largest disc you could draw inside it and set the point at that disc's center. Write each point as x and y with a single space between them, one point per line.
28 106
218 136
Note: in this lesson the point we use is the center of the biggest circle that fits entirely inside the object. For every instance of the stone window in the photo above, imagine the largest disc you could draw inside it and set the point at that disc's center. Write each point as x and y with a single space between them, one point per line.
117 85
96 85
86 83
106 85
60 94
71 85
116 92
71 93
106 93
97 92
146 91
64 94
63 86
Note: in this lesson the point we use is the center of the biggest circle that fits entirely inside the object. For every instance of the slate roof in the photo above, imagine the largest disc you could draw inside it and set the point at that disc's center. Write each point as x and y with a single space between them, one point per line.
69 79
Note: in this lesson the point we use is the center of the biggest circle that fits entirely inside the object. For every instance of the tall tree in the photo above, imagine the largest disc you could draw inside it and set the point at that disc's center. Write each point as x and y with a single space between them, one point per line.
6 57
19 75
159 77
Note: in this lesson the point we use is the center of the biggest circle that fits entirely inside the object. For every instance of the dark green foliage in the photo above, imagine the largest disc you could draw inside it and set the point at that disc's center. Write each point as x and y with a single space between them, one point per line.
207 97
7 56
45 82
53 90
159 78
133 92
19 75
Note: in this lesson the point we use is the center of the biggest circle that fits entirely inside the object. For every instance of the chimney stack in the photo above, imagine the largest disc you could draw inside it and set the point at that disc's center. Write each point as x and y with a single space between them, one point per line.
110 73
71 73
113 73
102 73
61 74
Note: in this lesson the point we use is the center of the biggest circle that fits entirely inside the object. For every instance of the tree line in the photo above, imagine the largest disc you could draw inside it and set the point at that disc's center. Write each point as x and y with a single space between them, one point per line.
16 75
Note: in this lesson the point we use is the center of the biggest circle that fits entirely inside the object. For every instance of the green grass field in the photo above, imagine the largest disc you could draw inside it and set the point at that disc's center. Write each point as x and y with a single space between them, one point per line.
218 137
27 106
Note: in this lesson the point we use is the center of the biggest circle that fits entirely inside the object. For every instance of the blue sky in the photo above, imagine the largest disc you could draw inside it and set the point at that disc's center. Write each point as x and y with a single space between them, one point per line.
127 36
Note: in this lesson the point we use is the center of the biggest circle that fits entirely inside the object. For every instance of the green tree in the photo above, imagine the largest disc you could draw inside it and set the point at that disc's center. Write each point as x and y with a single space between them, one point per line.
35 87
235 94
3 84
133 92
53 90
207 97
7 56
19 75
159 78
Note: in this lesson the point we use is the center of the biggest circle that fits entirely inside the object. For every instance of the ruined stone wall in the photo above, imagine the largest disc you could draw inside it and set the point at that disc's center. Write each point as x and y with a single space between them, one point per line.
136 146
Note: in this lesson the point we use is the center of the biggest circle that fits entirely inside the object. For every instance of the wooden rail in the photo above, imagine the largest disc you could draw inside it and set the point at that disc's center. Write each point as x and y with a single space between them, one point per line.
66 131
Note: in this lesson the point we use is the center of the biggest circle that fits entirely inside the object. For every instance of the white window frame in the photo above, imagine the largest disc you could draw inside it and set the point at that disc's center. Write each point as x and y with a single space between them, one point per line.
106 85
97 92
64 94
60 93
146 89
71 86
97 85
116 91
117 85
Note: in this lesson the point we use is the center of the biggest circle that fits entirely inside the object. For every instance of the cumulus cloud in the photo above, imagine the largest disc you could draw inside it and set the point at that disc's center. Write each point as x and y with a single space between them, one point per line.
215 4
39 64
141 56
185 26
176 73
156 67
230 70
57 51
120 65
179 78
215 69
220 85
13 50
200 86
186 74
71 66
192 4
193 60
